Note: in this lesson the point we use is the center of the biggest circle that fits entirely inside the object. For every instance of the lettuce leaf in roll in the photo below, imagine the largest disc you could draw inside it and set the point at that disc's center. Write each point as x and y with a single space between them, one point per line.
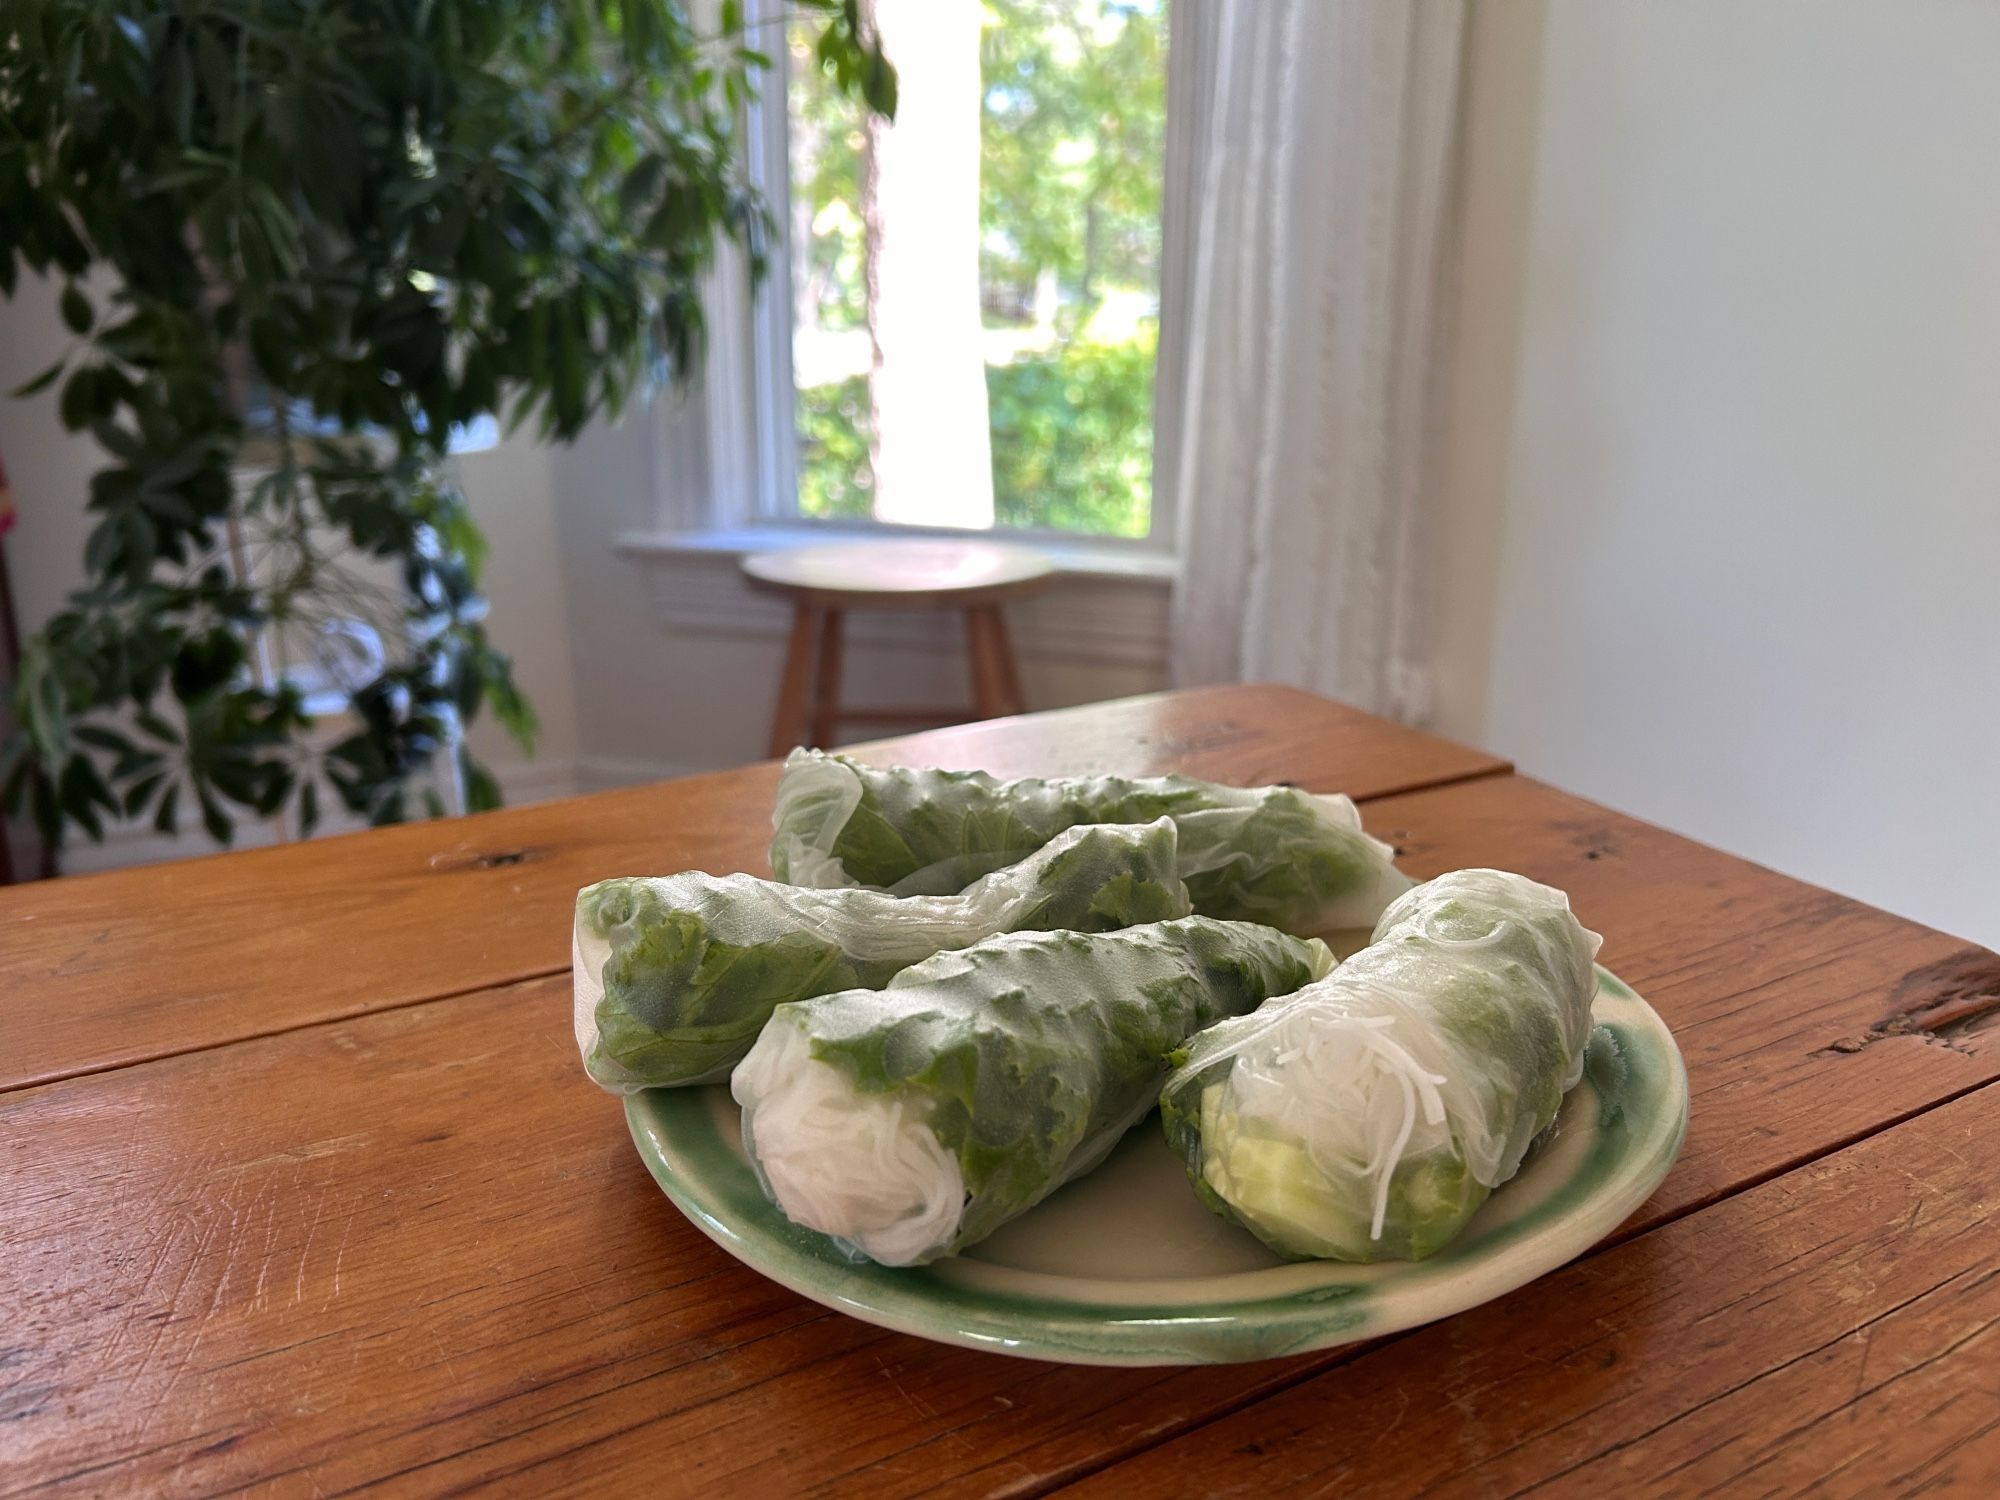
1368 1116
909 1122
675 975
1294 860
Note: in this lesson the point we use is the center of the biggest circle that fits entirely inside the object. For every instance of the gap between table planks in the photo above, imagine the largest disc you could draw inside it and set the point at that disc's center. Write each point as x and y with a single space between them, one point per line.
418 1245
116 968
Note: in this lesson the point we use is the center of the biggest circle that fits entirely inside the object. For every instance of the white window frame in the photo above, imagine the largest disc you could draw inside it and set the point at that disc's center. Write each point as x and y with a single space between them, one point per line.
745 415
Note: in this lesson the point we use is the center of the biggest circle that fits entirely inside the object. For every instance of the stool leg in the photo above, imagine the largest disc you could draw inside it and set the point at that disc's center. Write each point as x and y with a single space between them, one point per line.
989 673
826 692
1010 669
788 722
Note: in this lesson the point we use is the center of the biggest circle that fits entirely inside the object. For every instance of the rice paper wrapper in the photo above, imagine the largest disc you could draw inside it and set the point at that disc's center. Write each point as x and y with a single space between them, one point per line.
675 975
1295 860
1369 1115
910 1122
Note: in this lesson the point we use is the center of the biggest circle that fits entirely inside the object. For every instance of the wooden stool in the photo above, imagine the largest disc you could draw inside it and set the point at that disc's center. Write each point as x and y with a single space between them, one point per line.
824 582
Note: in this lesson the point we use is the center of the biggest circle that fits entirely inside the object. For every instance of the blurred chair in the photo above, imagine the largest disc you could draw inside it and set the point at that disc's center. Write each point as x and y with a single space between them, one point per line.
825 582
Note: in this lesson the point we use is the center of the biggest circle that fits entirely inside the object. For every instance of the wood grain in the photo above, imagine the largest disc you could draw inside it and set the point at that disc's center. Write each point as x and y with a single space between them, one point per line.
1837 1331
109 969
366 1236
417 1245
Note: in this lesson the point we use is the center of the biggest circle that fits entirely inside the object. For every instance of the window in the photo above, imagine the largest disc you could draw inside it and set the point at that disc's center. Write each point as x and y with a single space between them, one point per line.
960 325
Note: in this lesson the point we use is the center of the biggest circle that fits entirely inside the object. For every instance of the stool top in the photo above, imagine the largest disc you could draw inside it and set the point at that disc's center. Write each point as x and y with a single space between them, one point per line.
907 572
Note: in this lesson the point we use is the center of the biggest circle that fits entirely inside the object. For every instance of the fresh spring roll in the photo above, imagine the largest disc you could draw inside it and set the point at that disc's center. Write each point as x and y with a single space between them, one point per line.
1290 859
909 1122
676 975
1367 1116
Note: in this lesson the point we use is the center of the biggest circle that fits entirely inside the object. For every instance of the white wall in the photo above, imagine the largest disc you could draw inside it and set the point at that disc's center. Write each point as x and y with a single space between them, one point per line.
1726 405
47 469
511 488
677 662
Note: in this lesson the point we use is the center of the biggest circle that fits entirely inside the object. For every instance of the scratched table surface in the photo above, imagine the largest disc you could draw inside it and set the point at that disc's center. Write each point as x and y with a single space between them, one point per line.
304 1190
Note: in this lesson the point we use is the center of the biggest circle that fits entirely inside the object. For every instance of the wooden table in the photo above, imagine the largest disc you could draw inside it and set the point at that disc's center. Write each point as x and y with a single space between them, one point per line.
304 1190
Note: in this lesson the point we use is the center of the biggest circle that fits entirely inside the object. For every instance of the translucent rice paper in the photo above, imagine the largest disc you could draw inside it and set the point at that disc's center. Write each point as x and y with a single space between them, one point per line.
1367 1116
1290 859
909 1122
675 975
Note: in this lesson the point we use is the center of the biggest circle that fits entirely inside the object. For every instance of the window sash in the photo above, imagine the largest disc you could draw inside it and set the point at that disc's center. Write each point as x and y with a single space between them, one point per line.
747 415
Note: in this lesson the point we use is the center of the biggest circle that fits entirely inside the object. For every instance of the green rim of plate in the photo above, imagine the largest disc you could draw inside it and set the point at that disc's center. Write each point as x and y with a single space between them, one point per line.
1633 1070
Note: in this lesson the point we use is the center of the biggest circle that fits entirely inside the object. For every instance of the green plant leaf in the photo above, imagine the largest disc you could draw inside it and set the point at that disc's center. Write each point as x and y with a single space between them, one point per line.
48 813
390 808
39 382
213 818
135 763
157 727
642 184
515 713
176 467
276 788
122 444
14 785
165 817
140 792
77 405
104 738
77 792
482 792
42 703
135 36
179 93
76 312
205 663
100 547
406 216
140 540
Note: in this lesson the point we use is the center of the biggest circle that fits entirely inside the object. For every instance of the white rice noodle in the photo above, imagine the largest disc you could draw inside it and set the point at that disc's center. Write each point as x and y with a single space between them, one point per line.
1358 1067
863 1168
1352 1091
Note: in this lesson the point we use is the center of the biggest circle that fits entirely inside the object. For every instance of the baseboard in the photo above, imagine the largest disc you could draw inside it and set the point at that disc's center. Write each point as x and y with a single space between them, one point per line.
139 845
607 773
539 780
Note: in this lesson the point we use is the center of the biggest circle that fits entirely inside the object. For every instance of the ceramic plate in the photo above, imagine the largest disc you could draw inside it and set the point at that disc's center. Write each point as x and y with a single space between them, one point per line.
1125 1266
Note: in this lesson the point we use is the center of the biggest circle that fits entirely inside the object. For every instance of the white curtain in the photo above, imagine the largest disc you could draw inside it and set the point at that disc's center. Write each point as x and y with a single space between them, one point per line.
1294 417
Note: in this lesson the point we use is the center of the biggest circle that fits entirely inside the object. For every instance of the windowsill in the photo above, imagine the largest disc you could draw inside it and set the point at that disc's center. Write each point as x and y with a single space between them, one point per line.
1083 557
1115 607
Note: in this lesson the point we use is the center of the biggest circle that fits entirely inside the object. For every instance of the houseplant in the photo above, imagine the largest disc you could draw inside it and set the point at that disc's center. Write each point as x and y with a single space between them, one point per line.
371 222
